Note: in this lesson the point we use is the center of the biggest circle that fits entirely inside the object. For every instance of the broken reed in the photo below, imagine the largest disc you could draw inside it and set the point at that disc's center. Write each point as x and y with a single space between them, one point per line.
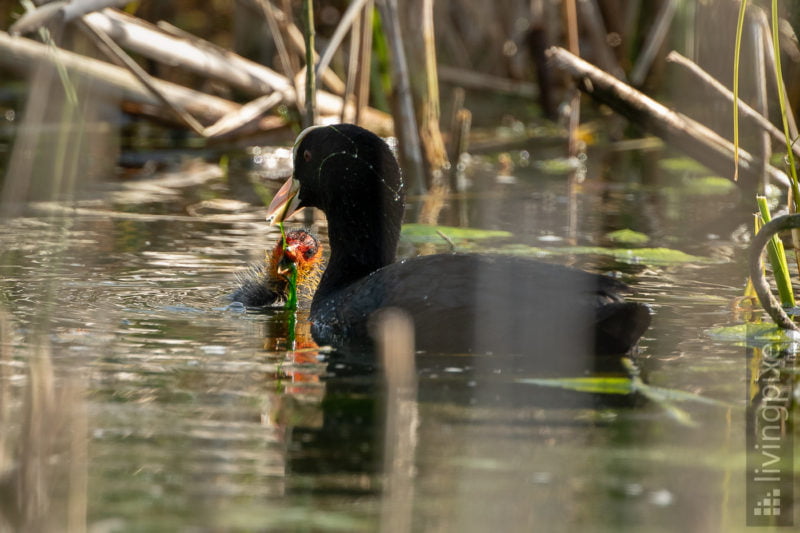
777 258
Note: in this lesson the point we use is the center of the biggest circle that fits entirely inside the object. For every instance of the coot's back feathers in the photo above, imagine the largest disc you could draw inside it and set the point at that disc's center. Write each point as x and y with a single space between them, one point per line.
488 303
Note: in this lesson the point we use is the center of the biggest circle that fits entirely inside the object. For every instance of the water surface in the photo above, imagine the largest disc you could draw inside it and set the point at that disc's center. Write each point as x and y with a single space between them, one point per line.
200 416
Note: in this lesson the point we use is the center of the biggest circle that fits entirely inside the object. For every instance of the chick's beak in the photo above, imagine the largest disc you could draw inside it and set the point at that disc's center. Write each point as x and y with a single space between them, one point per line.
285 202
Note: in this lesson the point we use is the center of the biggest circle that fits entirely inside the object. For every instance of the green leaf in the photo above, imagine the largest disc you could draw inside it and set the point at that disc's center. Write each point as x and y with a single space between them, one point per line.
660 396
707 186
423 233
777 258
647 256
599 385
762 333
627 237
681 165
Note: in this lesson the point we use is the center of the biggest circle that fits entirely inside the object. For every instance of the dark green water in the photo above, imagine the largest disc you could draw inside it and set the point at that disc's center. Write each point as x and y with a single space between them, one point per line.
198 417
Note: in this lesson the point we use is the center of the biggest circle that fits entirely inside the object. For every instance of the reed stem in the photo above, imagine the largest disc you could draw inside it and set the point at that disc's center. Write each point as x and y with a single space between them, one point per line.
309 118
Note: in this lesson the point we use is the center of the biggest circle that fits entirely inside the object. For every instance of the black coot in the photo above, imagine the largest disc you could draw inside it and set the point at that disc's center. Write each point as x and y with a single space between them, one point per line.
458 302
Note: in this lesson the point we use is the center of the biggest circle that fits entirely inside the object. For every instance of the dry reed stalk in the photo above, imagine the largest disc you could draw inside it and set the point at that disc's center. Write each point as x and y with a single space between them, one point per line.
395 334
345 23
276 30
310 116
592 19
471 79
654 42
574 96
457 98
118 56
746 111
277 37
296 40
353 55
364 61
460 142
760 82
405 118
416 19
5 389
24 55
770 54
693 138
536 42
173 46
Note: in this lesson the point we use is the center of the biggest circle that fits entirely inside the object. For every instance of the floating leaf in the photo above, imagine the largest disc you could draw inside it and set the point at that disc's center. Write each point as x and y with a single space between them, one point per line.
763 333
561 165
662 397
685 165
654 256
661 394
707 186
524 249
627 237
622 385
647 256
599 385
423 233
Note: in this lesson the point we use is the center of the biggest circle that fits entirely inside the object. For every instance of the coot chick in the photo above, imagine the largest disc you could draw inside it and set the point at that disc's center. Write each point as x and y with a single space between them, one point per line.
267 285
458 302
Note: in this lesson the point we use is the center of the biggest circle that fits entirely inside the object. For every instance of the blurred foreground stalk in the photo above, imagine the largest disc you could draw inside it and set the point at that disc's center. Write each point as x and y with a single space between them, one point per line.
43 444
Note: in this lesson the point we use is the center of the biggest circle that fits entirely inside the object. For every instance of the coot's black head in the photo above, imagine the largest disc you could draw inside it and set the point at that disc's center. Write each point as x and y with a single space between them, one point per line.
351 174
339 166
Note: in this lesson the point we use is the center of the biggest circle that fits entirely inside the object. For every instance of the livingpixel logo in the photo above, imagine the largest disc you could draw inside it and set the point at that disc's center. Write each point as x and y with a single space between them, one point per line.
770 439
769 505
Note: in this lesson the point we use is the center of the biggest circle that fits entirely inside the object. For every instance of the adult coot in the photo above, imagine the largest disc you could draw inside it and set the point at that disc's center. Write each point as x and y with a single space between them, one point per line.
458 302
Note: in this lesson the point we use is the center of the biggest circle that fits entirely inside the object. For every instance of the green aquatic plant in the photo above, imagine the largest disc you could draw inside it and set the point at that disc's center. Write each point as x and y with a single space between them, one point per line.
737 49
663 397
424 233
751 334
634 256
777 258
775 251
291 298
627 237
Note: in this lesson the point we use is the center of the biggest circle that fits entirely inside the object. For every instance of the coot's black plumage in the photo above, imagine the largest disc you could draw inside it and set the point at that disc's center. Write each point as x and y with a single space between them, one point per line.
458 302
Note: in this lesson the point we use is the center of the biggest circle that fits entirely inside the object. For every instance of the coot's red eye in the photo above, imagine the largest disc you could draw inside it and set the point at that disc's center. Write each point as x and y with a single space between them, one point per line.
307 156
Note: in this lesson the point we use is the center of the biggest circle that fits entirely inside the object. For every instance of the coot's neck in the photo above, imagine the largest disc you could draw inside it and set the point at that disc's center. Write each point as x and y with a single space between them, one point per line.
362 239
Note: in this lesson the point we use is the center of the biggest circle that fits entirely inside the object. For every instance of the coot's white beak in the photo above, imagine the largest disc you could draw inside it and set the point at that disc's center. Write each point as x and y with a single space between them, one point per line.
285 202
